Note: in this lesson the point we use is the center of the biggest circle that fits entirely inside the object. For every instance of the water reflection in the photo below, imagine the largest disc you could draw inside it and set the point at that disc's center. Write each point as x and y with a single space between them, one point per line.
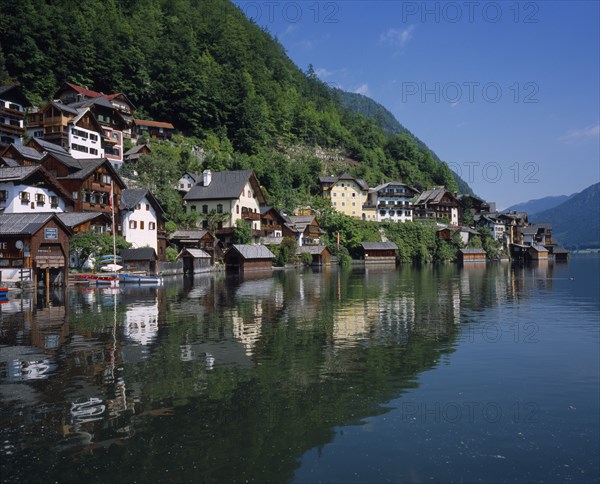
227 378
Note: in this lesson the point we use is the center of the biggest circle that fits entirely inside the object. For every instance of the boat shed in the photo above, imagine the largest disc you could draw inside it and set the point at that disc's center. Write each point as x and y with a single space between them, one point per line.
537 252
321 255
560 254
36 244
379 252
195 261
245 258
143 259
471 255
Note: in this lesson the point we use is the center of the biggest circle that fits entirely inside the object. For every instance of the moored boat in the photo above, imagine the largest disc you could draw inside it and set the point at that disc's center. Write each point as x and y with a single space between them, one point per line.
97 280
139 279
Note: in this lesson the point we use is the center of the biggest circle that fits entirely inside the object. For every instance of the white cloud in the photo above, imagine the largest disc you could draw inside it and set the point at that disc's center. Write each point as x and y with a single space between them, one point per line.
290 28
362 89
576 135
397 38
454 104
323 73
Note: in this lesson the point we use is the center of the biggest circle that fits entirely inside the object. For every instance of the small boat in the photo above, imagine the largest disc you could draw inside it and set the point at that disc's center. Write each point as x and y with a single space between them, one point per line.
138 279
97 280
3 292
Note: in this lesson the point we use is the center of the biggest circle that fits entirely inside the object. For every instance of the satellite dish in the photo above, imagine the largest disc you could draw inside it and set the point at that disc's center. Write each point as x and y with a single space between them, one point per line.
19 244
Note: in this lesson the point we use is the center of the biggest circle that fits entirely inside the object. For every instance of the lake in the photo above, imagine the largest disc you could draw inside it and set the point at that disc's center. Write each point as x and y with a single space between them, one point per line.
366 375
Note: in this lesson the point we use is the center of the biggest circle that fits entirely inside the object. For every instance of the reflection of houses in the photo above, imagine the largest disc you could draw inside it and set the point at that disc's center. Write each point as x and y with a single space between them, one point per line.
34 241
379 252
304 229
246 258
321 255
436 204
141 323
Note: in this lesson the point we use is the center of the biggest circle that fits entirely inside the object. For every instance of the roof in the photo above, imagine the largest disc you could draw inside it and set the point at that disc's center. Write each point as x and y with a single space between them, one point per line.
433 196
96 101
83 90
9 162
26 223
252 251
6 89
136 149
72 219
61 107
189 234
344 176
472 251
141 254
130 197
153 124
379 246
49 147
529 231
224 185
27 152
312 249
195 253
545 226
17 173
539 248
299 223
469 230
560 250
394 184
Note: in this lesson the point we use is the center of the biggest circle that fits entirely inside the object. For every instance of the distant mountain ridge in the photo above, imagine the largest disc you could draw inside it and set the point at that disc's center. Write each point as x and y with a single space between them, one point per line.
362 104
540 204
576 222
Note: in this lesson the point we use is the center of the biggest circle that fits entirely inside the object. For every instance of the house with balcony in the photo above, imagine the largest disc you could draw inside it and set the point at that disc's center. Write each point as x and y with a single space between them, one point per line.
348 194
392 201
32 189
271 222
13 104
437 204
496 227
153 129
143 220
304 229
222 198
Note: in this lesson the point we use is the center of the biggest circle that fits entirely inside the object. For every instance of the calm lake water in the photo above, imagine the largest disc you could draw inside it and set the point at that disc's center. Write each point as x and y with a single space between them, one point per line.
378 375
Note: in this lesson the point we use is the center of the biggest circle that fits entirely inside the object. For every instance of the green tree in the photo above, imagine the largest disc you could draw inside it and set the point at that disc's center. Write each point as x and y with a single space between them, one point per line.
242 233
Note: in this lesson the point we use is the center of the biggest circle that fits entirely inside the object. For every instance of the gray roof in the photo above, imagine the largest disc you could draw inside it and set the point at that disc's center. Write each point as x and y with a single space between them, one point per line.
23 223
272 240
560 250
134 153
224 185
72 219
17 173
253 251
51 147
393 184
311 249
6 88
83 167
141 254
539 248
299 223
64 107
545 226
344 176
188 234
195 253
379 246
28 152
433 196
9 162
130 197
472 251
469 230
529 231
94 101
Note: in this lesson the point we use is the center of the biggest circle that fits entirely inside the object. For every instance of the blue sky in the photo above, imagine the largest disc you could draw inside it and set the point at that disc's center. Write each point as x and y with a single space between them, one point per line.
508 93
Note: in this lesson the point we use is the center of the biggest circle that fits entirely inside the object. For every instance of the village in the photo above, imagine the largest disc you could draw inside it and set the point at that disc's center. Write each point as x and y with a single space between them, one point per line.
60 175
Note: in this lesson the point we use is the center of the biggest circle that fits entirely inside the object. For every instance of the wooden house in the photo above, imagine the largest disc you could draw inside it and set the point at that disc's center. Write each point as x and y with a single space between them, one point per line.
321 255
154 129
135 153
304 229
379 252
195 261
194 239
438 203
271 222
79 222
537 252
559 254
471 255
12 114
246 258
140 260
36 241
21 154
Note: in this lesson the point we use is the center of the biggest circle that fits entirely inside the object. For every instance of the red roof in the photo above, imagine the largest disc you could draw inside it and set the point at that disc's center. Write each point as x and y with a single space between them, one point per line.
153 124
83 90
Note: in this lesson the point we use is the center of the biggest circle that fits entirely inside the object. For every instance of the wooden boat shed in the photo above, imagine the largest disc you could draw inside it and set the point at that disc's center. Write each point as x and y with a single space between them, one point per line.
246 258
36 242
379 252
537 252
195 261
143 259
471 255
321 255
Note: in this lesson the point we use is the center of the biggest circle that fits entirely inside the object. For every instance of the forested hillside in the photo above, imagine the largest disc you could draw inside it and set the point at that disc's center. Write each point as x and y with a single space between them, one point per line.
202 65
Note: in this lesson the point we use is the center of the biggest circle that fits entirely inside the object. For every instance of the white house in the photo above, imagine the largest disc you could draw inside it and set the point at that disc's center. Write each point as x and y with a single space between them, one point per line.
187 181
84 142
393 201
31 189
142 218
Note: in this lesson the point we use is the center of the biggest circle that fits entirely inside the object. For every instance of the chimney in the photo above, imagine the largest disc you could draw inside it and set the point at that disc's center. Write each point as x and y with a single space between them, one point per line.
206 177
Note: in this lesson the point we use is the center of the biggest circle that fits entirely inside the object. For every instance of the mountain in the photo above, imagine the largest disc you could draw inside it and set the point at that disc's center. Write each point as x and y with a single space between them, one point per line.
540 204
386 120
219 78
576 222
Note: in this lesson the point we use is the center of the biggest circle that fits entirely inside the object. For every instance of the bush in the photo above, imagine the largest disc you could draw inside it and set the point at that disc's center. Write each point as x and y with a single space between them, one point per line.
306 258
171 254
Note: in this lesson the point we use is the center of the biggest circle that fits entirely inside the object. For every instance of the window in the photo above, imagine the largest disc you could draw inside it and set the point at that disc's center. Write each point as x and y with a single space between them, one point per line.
77 147
189 185
75 195
93 151
181 185
249 196
219 208
354 204
142 225
3 195
54 201
193 208
40 198
106 179
147 207
343 204
204 208
151 226
237 209
132 224
138 206
93 137
24 196
79 133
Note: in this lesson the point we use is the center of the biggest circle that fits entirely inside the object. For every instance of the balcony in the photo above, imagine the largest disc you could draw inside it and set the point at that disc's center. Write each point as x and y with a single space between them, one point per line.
250 215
